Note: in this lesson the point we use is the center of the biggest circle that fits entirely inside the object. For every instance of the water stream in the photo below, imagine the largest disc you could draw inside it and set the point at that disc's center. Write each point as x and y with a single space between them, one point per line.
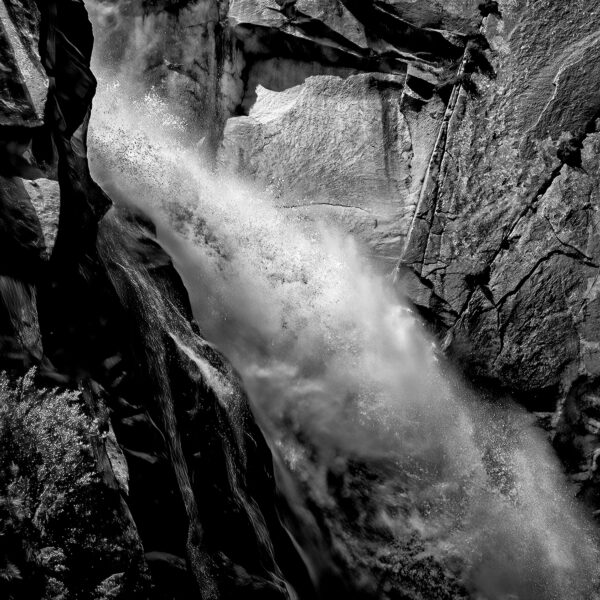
340 372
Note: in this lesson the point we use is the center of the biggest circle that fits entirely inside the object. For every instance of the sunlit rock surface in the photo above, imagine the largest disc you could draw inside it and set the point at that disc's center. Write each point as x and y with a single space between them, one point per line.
45 198
23 82
341 150
351 149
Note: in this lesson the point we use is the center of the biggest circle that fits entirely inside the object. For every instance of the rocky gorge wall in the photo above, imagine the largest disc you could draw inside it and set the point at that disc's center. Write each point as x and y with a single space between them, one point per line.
130 463
455 139
502 251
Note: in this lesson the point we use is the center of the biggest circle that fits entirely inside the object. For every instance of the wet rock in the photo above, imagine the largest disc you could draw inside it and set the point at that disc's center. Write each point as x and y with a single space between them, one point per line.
23 82
117 460
111 587
45 198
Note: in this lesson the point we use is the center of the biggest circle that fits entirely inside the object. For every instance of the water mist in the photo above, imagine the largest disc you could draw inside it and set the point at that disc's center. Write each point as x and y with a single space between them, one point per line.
336 366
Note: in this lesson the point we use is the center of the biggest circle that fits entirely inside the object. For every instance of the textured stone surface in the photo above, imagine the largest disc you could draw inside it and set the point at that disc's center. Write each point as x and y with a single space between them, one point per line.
21 239
340 150
23 82
284 42
454 15
504 248
353 20
45 198
351 152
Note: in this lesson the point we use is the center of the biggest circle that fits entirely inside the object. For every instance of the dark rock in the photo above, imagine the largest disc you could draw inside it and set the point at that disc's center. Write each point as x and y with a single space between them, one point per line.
170 575
568 150
166 560
215 511
22 245
489 7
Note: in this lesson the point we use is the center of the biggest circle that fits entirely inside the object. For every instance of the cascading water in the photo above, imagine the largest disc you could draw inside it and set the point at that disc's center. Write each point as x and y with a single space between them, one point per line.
189 390
327 352
345 381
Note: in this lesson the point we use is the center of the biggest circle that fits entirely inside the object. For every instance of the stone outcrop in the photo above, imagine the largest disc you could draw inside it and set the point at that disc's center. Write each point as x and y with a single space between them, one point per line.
387 120
352 149
65 528
357 167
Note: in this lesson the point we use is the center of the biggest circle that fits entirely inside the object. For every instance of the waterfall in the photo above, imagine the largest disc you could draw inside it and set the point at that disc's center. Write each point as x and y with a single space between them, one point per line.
191 389
344 379
134 286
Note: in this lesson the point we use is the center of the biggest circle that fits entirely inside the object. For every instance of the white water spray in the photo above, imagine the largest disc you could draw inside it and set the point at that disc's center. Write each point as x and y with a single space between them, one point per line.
322 342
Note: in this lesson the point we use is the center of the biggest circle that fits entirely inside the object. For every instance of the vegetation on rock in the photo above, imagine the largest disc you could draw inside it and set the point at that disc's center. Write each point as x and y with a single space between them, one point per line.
51 496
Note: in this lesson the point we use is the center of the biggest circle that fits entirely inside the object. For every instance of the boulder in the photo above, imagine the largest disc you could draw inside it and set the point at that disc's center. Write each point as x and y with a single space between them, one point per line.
349 151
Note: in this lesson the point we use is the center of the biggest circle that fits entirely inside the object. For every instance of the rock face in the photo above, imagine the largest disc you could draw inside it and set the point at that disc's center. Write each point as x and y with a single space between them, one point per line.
503 250
145 474
347 169
23 81
65 529
353 149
